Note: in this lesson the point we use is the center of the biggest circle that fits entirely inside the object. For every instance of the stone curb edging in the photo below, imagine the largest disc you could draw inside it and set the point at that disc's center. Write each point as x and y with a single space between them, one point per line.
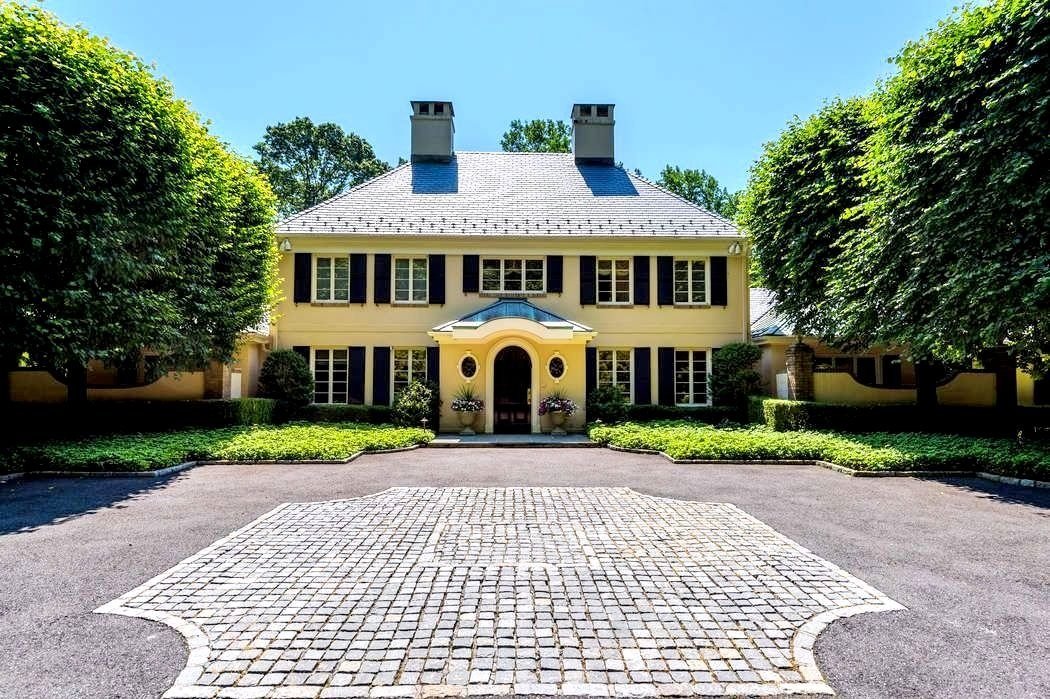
167 471
1008 480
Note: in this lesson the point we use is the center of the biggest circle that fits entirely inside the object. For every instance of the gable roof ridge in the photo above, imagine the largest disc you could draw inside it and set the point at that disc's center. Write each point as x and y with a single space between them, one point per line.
679 197
336 197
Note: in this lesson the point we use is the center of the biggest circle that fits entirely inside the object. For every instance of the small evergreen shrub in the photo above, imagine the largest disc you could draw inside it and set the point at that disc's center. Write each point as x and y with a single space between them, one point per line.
416 401
285 376
608 404
733 375
251 411
343 412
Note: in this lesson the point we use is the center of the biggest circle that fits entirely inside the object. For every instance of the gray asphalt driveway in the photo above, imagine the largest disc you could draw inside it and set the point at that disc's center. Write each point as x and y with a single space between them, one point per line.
969 559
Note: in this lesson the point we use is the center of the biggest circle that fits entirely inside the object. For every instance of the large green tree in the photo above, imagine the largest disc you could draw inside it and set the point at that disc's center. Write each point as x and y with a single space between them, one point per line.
802 196
537 136
126 224
957 255
308 163
701 188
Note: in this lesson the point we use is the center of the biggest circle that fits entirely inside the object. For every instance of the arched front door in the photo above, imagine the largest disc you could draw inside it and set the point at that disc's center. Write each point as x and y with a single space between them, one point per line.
512 388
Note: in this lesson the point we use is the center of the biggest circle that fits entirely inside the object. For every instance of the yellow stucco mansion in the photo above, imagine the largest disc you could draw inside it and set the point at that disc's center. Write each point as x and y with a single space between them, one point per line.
521 274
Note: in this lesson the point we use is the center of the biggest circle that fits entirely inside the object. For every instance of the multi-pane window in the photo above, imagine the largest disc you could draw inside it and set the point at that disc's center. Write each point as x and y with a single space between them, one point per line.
330 375
690 281
410 364
410 280
614 281
690 377
614 369
511 274
331 278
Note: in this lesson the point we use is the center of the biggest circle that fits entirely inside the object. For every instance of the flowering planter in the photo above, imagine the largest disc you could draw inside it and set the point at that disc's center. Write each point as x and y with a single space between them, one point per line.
466 421
557 423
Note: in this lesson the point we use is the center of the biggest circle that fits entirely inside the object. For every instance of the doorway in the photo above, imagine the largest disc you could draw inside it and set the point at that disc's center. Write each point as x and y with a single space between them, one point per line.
512 388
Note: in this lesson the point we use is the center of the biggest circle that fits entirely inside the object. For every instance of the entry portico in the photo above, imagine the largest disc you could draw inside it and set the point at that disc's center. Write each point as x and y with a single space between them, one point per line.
480 349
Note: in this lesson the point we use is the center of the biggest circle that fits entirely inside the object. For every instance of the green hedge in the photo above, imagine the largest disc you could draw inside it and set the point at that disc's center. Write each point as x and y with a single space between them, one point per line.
142 452
711 415
35 421
872 451
370 414
799 415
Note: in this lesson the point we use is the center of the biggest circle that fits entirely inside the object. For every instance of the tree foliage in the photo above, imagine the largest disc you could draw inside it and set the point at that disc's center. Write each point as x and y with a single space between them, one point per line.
801 198
701 188
127 225
308 163
957 255
537 136
930 231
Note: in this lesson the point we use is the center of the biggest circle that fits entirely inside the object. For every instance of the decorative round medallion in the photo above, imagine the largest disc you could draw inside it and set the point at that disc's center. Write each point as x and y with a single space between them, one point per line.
556 367
468 367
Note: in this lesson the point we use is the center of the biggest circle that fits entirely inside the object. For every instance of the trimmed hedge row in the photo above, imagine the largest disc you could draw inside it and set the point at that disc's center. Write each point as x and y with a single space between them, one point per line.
142 452
35 421
711 415
786 415
337 412
876 451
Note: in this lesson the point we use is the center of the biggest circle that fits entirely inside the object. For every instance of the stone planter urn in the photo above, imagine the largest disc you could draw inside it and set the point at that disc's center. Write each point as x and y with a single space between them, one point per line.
557 423
466 420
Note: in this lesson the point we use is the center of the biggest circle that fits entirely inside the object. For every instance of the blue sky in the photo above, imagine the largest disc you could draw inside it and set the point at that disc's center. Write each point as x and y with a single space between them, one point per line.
697 84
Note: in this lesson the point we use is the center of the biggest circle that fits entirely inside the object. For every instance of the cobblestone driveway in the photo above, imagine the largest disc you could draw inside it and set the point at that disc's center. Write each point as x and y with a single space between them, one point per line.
455 591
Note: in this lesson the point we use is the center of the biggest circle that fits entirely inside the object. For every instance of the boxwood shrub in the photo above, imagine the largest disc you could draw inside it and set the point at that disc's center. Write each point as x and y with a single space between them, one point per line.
711 415
870 451
337 412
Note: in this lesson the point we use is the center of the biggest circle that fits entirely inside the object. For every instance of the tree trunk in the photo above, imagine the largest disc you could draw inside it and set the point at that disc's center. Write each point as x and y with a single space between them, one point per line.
926 384
76 382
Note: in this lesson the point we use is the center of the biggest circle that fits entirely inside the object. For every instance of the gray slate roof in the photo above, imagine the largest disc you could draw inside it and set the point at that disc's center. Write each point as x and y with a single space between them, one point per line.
512 308
764 318
508 194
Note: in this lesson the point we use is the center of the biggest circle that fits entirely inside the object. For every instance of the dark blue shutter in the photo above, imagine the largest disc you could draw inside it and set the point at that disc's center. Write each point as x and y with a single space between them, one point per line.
380 376
358 277
588 271
302 284
665 280
719 286
665 375
641 280
643 393
470 274
436 279
554 274
382 281
356 379
304 352
434 365
591 358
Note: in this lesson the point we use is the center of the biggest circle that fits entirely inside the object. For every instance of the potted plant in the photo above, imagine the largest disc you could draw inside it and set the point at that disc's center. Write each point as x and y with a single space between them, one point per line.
468 405
559 408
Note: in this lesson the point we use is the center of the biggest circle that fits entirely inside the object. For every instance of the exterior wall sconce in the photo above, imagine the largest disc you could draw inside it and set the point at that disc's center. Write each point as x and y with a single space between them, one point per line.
735 248
286 245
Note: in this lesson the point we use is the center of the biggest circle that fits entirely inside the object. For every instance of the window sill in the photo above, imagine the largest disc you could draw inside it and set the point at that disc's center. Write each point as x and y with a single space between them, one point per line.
614 305
410 303
333 303
692 305
510 294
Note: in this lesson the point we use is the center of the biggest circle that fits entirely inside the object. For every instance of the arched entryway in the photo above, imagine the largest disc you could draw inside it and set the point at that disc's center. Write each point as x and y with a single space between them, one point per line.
512 391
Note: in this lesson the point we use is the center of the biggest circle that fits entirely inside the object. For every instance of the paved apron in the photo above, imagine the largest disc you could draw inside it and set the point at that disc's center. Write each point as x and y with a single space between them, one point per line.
455 591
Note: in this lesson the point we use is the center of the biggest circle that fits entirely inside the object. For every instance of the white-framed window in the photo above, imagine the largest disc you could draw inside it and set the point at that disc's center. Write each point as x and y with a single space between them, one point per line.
691 371
691 281
614 281
410 364
513 274
614 369
331 278
410 280
331 371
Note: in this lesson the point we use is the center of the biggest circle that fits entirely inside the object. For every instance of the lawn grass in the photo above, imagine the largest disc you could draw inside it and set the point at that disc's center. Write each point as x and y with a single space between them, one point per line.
877 451
145 452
